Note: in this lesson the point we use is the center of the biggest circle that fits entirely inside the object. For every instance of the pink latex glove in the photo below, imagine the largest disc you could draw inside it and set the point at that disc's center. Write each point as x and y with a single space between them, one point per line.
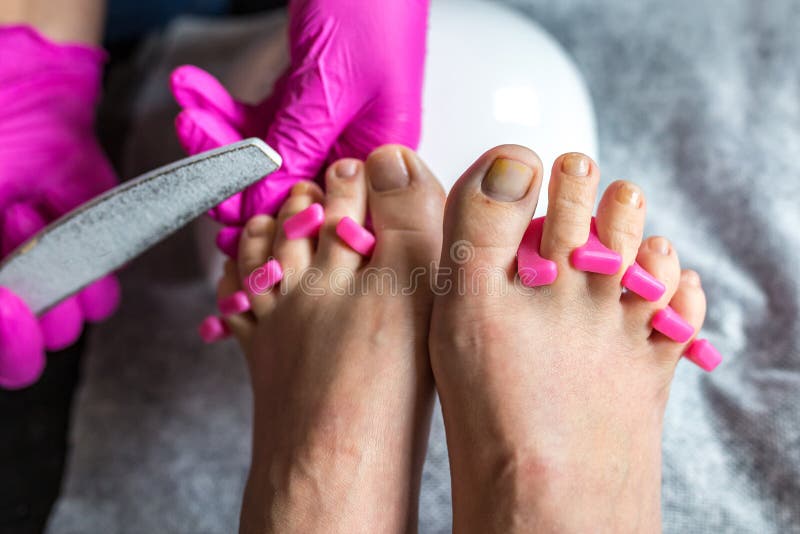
50 162
354 83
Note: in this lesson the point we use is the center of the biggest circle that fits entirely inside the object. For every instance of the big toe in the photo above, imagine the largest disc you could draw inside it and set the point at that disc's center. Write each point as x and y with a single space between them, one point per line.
490 207
406 204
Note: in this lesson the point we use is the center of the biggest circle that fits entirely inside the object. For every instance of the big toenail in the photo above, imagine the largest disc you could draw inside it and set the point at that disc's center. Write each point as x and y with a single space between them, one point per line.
346 168
660 245
388 170
630 195
508 180
575 165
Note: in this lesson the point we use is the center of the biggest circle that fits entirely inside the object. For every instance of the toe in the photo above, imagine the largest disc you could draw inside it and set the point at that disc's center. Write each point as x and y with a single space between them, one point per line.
295 255
255 250
658 258
689 302
241 324
572 192
406 204
489 209
345 196
620 224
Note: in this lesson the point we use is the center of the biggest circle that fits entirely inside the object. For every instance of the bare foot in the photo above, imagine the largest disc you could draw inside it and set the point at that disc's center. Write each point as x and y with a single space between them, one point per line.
338 354
553 398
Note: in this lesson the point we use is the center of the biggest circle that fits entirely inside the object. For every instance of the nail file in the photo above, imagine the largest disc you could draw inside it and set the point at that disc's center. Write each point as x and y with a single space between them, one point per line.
533 269
644 284
594 256
306 223
356 236
115 227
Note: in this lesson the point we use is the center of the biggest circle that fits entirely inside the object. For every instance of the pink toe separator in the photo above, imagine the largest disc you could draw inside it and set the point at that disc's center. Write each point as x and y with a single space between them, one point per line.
533 269
306 223
703 354
672 325
356 236
234 304
594 256
261 280
642 283
213 329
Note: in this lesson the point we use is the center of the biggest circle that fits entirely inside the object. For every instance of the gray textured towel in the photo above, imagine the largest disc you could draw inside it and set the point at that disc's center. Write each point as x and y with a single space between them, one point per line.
699 102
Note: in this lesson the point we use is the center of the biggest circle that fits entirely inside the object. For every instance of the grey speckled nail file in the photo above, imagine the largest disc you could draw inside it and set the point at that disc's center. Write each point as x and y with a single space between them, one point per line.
110 230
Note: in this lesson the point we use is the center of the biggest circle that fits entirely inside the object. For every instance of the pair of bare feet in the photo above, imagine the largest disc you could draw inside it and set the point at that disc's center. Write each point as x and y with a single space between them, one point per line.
553 399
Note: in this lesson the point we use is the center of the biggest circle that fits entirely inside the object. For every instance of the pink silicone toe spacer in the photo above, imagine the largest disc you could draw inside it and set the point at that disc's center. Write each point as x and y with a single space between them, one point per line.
306 223
703 354
234 304
356 236
642 283
213 329
672 325
228 241
265 277
533 269
21 343
594 256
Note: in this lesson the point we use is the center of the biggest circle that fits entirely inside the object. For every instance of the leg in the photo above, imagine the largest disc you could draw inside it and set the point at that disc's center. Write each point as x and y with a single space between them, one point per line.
63 21
564 387
338 353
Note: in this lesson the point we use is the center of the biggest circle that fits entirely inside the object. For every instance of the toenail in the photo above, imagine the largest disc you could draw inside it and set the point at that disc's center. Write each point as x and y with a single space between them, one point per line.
388 170
691 278
575 165
629 194
258 227
301 188
508 180
660 245
346 168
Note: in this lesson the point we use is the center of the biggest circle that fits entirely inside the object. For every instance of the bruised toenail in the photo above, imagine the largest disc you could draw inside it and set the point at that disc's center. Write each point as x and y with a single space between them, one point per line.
629 195
575 165
388 170
508 180
660 245
301 188
691 278
346 168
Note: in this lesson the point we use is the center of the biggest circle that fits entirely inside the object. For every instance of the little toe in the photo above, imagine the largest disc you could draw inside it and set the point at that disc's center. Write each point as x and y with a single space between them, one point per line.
255 262
489 209
572 192
345 196
689 302
620 225
406 204
295 255
659 259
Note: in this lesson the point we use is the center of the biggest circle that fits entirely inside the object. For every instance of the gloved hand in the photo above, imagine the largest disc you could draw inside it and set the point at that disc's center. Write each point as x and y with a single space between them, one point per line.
50 162
353 84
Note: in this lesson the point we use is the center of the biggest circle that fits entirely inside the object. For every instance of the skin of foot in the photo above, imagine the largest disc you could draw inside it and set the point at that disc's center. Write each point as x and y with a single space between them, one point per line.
553 397
338 352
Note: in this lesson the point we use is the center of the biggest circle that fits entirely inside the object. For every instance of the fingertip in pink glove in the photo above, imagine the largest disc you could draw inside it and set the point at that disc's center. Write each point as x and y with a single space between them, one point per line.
50 162
354 83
